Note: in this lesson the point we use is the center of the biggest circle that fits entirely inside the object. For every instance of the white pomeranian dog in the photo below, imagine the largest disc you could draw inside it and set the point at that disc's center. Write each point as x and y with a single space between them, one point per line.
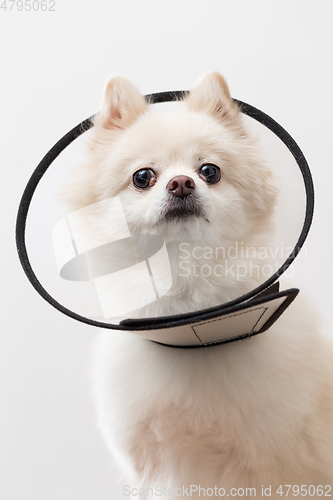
246 418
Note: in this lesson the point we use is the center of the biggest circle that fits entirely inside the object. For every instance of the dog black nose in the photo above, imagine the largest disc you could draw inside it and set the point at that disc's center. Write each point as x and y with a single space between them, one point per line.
181 185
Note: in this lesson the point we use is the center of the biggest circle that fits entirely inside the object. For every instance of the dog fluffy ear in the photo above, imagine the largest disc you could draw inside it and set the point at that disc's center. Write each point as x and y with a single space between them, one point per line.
212 96
122 104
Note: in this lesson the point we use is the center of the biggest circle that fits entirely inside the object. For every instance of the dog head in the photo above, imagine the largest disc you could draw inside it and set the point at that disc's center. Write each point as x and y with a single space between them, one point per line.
184 174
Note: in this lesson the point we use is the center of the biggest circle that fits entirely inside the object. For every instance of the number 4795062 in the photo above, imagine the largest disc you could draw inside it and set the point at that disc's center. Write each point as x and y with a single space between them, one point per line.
28 5
304 490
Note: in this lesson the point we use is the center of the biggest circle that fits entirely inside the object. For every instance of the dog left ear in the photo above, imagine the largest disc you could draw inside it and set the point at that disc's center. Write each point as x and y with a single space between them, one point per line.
122 104
212 96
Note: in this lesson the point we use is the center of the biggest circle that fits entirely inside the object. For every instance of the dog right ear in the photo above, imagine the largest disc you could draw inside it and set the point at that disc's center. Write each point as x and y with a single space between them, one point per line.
122 104
211 96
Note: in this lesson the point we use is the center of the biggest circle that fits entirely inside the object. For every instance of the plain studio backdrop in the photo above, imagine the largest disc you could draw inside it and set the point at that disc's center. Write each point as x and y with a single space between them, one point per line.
276 55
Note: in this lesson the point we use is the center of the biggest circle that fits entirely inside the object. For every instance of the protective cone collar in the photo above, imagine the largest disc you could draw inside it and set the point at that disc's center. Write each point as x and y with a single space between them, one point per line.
243 317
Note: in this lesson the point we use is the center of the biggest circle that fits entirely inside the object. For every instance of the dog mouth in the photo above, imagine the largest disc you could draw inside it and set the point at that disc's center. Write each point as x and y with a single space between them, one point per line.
181 209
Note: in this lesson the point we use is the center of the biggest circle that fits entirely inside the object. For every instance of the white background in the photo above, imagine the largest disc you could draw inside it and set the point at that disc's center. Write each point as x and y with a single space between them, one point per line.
276 55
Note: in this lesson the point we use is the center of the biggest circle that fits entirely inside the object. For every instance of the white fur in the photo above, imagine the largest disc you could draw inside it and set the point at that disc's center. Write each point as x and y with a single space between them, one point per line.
251 413
245 414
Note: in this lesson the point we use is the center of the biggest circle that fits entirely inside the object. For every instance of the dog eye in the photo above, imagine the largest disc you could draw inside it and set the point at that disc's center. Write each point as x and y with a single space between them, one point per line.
143 178
210 173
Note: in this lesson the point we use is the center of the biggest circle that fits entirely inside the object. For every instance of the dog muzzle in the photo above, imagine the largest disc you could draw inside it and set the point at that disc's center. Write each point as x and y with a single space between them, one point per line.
102 281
